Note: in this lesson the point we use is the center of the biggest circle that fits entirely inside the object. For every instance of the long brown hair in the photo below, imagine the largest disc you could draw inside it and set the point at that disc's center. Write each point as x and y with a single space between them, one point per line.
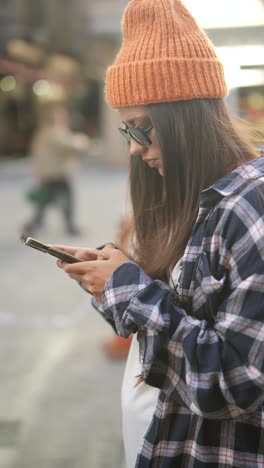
199 145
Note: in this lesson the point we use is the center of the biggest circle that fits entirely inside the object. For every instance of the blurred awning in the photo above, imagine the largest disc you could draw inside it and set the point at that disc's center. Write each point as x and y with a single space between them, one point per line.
20 50
31 75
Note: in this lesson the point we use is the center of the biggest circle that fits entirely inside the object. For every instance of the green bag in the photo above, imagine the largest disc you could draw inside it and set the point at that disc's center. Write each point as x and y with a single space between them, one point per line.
37 195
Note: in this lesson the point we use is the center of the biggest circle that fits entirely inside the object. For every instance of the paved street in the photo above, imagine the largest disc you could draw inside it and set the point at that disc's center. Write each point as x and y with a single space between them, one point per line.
60 396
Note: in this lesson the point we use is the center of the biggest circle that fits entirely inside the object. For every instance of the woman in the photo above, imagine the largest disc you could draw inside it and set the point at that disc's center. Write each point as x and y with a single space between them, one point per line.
192 295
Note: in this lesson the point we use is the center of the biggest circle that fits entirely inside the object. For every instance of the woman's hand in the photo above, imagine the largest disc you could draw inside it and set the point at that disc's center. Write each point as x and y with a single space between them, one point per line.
96 269
80 252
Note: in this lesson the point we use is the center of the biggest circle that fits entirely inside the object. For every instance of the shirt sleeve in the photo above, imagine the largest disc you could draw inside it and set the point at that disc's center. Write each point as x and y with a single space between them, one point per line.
98 306
215 369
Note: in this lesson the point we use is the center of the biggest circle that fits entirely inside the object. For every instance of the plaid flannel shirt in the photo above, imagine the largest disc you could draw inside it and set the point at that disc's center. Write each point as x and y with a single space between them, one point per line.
205 353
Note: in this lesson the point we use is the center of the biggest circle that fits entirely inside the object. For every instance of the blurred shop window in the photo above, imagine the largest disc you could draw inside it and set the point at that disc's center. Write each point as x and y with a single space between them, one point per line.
85 109
251 104
17 118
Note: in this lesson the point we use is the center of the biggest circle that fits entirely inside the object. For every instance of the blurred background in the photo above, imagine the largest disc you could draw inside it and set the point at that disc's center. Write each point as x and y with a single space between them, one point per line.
60 390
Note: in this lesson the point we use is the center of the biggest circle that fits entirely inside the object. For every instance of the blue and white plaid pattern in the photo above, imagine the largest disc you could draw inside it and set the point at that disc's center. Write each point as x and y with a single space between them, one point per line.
205 354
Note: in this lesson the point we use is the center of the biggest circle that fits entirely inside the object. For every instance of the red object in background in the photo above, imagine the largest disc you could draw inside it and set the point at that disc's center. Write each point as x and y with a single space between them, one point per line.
117 347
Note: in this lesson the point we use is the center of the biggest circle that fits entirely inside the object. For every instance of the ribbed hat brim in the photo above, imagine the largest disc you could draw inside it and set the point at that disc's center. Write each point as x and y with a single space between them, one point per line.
164 80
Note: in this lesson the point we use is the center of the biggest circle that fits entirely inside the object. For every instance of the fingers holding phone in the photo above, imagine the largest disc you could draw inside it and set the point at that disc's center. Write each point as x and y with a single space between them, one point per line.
94 274
85 254
90 267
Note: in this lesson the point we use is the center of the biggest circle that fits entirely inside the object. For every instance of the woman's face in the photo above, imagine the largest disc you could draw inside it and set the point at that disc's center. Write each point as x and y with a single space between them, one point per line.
138 117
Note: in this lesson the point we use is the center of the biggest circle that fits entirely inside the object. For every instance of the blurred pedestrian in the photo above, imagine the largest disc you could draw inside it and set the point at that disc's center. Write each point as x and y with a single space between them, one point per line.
55 150
192 293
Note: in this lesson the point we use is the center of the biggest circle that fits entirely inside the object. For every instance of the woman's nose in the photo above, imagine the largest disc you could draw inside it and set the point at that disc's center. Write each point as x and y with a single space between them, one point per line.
135 148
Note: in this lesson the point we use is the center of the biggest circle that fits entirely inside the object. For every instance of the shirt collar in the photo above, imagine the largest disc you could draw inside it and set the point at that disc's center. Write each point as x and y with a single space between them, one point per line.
236 179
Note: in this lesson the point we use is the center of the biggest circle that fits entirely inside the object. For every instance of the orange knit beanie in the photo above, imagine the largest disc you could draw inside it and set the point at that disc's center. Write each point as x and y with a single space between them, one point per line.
165 56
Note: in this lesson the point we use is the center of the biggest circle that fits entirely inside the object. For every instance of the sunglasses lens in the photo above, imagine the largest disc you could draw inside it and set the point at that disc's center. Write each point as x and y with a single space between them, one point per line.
139 136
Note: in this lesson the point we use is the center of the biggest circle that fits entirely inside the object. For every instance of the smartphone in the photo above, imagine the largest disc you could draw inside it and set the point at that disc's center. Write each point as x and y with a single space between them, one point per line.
36 244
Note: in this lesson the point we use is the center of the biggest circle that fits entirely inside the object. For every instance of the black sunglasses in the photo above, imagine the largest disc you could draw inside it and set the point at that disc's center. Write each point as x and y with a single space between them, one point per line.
140 135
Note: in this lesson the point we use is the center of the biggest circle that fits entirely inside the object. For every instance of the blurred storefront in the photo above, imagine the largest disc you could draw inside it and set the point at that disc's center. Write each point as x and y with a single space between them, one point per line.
42 63
237 30
58 51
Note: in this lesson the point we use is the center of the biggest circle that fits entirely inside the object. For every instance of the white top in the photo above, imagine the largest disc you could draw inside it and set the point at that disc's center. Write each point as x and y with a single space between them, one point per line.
138 400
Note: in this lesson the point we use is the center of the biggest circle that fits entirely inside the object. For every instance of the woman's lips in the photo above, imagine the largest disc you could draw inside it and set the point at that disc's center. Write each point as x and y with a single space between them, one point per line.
151 162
